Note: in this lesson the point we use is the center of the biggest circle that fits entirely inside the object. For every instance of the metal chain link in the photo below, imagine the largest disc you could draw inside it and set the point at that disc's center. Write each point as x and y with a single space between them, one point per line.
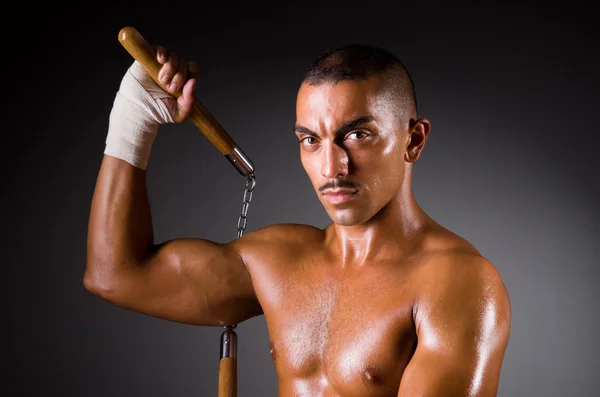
243 219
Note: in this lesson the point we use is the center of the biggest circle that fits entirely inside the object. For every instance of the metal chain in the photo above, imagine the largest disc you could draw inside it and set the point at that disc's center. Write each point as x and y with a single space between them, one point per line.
228 350
243 219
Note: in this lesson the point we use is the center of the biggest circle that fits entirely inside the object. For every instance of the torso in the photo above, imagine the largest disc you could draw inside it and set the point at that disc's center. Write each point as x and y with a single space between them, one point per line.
335 331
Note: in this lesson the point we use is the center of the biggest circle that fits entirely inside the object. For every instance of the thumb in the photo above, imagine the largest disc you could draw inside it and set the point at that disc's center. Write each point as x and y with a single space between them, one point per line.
186 101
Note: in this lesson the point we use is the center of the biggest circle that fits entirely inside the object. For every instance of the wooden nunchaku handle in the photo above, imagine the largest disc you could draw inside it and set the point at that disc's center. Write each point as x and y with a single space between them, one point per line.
227 377
143 52
228 363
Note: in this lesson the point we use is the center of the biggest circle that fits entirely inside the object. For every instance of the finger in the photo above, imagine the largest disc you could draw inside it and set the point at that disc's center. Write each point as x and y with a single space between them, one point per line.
162 55
179 78
169 68
186 101
193 70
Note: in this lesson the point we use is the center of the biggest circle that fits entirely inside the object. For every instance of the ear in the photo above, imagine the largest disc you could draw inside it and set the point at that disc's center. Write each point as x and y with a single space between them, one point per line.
417 135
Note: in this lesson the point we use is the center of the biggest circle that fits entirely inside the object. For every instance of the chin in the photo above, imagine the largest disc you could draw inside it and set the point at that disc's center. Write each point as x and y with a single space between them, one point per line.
347 217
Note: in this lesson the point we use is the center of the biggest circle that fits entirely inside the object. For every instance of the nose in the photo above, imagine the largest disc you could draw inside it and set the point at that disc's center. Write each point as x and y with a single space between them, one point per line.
334 160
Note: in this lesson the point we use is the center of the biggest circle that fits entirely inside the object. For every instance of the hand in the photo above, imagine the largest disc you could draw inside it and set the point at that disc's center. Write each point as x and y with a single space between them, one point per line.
177 74
141 105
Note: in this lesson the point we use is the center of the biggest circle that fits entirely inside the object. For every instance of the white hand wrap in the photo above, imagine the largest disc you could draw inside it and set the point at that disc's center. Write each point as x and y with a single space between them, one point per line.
137 111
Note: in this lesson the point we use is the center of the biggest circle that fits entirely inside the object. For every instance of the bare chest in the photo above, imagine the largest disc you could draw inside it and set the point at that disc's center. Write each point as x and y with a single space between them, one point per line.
353 335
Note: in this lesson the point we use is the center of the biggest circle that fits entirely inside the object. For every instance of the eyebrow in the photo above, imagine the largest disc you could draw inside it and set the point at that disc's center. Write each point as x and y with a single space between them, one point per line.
348 125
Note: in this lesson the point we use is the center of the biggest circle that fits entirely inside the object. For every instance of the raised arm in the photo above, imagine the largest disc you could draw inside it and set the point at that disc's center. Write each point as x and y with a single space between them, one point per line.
463 327
192 281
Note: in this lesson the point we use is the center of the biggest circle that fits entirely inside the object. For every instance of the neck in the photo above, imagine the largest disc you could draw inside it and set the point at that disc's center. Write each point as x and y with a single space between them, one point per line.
391 233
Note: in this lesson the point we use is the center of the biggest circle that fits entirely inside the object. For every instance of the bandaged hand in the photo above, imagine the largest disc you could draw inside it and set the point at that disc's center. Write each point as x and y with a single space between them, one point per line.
141 105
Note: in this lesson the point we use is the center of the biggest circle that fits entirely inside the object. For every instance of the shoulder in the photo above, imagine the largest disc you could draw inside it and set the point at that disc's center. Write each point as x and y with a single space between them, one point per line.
284 233
455 282
276 242
464 294
460 268
455 262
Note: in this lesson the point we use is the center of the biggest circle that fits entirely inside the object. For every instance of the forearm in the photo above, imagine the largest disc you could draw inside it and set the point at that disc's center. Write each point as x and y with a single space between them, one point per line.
120 232
120 227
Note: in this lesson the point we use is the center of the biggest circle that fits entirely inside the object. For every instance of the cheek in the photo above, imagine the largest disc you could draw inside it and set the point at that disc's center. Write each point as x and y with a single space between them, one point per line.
384 169
308 164
390 148
386 155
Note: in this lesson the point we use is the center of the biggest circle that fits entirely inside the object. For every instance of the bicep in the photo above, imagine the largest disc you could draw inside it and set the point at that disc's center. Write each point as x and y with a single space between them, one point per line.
434 374
193 281
463 371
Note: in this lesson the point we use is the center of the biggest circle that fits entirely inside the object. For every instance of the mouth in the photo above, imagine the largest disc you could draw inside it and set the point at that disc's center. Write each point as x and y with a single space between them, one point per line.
336 196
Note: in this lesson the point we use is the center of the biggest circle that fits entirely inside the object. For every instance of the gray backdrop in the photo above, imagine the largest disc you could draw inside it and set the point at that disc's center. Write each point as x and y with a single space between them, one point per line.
510 164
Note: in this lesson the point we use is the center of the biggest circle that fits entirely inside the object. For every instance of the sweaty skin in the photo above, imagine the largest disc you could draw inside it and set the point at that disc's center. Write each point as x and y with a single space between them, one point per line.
382 302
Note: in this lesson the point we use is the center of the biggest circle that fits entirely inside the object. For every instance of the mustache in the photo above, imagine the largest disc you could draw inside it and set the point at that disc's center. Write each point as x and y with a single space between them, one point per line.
339 184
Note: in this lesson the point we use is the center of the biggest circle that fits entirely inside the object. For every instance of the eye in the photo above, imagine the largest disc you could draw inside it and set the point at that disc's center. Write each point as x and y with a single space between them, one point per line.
357 135
308 141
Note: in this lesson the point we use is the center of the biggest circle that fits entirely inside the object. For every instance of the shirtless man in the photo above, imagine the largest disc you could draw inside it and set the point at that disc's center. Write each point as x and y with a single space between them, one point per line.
384 301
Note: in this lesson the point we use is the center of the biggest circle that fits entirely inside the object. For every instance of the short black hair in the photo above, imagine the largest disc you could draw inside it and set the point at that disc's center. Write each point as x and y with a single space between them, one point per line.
359 62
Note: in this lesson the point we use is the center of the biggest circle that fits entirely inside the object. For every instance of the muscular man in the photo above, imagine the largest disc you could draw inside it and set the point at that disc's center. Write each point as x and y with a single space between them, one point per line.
384 301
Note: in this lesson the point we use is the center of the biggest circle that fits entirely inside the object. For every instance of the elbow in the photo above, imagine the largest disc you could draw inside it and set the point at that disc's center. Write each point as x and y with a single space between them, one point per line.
99 283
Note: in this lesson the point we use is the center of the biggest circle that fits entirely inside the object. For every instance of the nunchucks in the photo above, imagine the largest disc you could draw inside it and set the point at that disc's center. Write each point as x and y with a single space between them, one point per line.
143 52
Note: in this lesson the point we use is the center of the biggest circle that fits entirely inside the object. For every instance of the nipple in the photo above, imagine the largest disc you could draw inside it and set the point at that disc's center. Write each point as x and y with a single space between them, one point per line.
373 377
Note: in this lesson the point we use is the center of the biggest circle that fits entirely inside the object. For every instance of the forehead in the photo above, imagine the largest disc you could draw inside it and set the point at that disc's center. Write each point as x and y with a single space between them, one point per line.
328 104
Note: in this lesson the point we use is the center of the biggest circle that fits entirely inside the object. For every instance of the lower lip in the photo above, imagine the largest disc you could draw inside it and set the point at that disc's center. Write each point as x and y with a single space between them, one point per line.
340 198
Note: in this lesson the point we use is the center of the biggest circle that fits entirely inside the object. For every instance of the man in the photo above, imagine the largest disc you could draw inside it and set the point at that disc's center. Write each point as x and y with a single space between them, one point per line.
382 302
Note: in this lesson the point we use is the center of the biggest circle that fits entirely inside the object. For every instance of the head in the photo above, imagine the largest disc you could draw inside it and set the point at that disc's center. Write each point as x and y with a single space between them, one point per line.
359 131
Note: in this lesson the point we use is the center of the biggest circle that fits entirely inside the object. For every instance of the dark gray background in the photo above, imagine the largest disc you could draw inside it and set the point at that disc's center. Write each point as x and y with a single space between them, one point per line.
510 164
